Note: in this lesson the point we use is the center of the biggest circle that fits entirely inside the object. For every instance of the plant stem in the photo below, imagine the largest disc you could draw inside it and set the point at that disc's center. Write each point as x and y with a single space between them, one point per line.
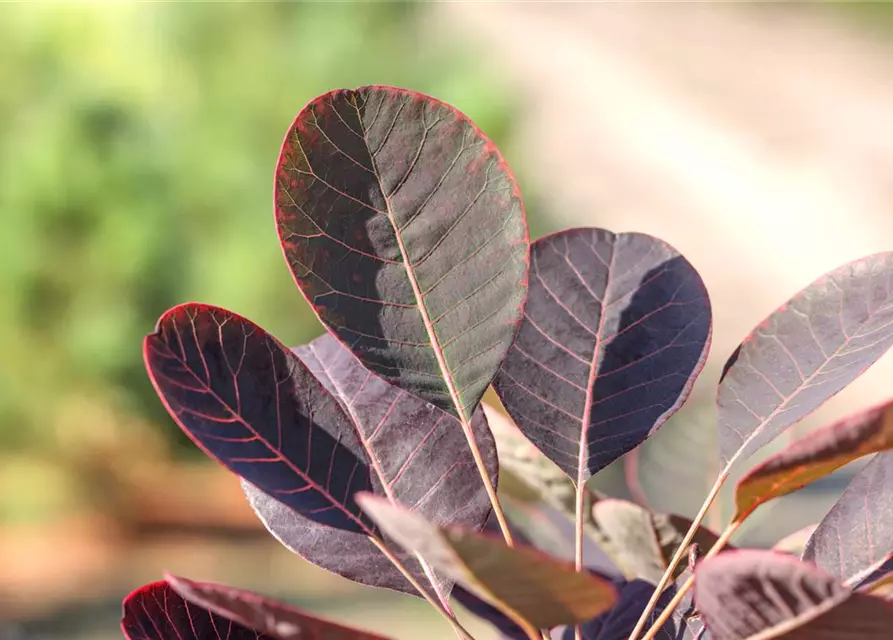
461 412
450 618
530 632
680 593
429 573
578 540
485 477
683 547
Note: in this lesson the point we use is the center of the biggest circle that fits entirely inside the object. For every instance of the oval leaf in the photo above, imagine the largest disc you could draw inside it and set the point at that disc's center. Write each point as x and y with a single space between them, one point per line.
251 404
763 595
815 456
404 228
418 456
534 590
156 612
255 611
856 536
615 330
805 352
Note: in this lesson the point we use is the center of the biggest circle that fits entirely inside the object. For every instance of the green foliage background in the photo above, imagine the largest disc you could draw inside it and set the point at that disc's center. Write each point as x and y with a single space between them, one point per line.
136 162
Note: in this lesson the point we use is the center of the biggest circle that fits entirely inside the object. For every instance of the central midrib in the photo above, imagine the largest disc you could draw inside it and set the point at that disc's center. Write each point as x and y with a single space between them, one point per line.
590 383
417 292
275 450
376 464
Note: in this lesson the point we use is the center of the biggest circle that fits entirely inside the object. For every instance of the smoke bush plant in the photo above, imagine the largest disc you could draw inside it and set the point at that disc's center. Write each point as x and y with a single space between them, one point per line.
369 453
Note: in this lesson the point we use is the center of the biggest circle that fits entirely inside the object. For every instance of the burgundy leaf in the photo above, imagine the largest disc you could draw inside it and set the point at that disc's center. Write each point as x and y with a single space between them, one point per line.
764 594
157 612
615 330
815 456
618 623
418 456
404 228
251 404
482 609
856 536
255 611
805 352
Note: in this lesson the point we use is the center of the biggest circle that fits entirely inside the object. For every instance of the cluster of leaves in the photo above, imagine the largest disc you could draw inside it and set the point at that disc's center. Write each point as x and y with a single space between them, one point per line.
369 452
134 164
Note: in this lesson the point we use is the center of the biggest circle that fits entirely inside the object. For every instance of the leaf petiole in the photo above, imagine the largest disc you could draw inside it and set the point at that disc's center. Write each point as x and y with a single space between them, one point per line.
441 609
680 552
680 593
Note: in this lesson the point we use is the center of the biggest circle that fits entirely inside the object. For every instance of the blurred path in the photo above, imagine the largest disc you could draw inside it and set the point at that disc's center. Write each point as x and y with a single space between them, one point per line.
756 139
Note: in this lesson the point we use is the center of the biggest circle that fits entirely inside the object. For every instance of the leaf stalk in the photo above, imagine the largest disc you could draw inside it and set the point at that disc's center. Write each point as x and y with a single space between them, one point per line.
680 593
578 540
680 552
441 609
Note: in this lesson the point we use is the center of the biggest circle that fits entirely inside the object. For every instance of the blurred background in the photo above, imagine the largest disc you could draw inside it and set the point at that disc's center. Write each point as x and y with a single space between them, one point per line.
136 156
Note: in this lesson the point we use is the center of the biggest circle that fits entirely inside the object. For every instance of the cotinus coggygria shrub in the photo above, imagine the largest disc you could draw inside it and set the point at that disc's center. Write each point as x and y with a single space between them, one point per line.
369 453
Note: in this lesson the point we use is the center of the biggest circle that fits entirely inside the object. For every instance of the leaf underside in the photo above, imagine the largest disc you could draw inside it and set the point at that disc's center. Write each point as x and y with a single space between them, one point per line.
615 330
856 536
157 612
405 230
815 456
805 352
255 611
418 456
763 594
248 402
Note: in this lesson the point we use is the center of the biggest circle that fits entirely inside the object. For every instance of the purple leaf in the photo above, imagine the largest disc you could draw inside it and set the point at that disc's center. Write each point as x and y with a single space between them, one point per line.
856 537
251 404
815 456
258 612
486 611
418 456
615 330
156 612
744 594
805 352
181 609
404 228
618 623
